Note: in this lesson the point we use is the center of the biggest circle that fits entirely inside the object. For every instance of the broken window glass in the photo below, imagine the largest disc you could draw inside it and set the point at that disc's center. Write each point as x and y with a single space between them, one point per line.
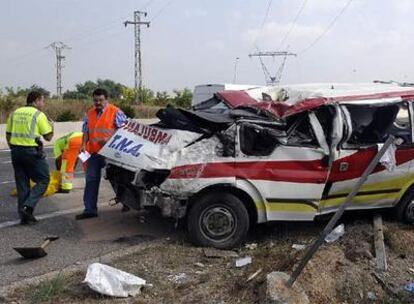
401 127
373 124
259 140
299 131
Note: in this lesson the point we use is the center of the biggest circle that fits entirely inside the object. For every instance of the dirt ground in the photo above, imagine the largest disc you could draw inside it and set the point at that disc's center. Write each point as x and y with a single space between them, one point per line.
342 272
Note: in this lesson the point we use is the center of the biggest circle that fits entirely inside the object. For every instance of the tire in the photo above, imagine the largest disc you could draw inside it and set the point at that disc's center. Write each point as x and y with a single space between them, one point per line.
218 220
405 208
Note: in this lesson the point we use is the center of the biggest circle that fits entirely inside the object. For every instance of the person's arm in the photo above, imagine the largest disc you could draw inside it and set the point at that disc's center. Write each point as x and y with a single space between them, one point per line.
8 137
48 136
85 131
120 119
58 163
9 129
45 127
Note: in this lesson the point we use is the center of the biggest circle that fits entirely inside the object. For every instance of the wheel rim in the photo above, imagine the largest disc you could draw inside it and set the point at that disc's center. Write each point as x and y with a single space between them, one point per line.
409 213
218 223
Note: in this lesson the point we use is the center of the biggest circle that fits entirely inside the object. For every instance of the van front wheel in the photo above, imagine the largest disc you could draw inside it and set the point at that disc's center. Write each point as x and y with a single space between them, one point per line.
405 208
218 220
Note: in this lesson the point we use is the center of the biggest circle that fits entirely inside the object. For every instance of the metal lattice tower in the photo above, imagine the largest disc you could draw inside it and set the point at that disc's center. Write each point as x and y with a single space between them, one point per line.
138 60
272 79
58 47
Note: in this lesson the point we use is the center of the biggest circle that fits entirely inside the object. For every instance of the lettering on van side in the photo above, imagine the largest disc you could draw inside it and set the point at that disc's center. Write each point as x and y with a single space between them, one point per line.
124 144
151 134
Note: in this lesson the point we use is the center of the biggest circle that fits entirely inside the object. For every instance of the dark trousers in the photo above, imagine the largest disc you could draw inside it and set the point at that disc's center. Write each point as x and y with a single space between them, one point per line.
29 165
94 168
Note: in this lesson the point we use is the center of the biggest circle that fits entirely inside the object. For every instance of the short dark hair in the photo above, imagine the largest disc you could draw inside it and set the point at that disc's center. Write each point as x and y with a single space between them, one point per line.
99 92
32 96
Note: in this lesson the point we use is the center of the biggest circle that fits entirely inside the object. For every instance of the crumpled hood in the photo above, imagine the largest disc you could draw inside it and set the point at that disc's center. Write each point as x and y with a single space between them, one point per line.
137 146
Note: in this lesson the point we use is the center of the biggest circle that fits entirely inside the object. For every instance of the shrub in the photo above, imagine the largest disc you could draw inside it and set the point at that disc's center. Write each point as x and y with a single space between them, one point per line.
66 115
127 109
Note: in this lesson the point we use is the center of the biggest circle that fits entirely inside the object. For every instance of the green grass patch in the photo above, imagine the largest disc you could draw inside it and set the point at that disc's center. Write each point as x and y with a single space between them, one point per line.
46 291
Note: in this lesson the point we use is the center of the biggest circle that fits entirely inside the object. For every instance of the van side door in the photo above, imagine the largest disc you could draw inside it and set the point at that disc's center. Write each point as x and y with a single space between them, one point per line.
287 166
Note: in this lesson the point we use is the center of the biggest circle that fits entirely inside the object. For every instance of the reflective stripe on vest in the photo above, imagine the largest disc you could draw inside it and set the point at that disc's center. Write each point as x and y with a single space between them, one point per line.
31 135
23 127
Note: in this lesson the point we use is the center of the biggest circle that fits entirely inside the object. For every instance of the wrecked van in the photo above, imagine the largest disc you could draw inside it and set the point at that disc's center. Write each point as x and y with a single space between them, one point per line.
287 153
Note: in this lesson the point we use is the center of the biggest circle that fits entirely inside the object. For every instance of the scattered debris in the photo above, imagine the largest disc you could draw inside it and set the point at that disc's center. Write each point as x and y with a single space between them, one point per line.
216 253
243 261
113 282
411 270
371 296
335 234
36 252
198 264
298 246
251 246
178 278
251 277
278 293
409 287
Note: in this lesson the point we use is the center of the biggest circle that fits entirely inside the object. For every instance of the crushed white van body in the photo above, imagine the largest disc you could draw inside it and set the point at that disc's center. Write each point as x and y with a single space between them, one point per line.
290 155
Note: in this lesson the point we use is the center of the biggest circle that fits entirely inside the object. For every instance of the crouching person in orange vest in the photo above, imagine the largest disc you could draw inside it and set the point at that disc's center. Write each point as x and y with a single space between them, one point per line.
66 150
100 123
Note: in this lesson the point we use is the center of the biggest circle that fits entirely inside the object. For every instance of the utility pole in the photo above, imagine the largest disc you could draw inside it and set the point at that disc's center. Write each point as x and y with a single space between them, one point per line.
272 79
58 47
138 66
236 61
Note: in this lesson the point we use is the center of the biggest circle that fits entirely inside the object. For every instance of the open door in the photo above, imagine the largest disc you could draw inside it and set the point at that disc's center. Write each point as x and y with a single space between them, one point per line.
367 126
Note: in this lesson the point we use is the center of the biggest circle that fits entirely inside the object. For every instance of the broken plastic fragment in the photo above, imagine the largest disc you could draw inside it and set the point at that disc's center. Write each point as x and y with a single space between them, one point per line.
243 261
298 246
335 234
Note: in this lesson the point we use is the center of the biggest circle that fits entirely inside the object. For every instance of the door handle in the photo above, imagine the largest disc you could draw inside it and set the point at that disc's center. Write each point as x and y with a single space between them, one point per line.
343 166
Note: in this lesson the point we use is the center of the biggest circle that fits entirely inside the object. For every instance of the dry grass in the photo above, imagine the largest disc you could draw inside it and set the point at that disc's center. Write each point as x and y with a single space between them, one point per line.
144 111
78 108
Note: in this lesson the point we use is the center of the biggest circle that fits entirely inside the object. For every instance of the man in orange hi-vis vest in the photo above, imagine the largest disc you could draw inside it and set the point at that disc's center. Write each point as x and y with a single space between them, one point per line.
66 150
100 123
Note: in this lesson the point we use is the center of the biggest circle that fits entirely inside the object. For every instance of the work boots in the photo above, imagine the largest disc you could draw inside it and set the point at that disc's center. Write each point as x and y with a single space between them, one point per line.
27 217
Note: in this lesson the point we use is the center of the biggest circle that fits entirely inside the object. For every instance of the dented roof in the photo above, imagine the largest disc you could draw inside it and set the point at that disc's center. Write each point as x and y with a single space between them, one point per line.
283 101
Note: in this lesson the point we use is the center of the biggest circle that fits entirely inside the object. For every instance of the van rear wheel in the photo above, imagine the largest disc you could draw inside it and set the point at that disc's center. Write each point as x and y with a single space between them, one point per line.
218 220
405 208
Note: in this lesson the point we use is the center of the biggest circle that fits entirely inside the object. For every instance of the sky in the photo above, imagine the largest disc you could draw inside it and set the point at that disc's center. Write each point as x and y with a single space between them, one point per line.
194 42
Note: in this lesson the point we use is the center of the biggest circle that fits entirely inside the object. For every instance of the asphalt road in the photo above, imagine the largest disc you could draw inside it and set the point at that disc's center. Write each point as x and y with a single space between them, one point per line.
79 240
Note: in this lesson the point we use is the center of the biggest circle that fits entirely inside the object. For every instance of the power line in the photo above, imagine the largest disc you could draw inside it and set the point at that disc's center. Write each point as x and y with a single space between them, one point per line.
293 23
161 10
266 15
328 28
80 36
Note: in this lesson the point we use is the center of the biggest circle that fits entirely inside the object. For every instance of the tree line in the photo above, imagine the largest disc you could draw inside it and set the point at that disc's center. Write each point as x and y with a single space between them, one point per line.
117 92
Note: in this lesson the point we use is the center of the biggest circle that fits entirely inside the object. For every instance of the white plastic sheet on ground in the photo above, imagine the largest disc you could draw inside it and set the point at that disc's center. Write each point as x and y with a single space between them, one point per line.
110 281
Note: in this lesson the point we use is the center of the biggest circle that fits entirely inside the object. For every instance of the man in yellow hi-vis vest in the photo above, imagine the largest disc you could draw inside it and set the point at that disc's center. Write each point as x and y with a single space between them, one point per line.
25 126
66 150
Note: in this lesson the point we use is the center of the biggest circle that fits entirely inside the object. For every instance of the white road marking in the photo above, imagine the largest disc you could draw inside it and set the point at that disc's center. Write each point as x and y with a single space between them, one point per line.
43 216
6 182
